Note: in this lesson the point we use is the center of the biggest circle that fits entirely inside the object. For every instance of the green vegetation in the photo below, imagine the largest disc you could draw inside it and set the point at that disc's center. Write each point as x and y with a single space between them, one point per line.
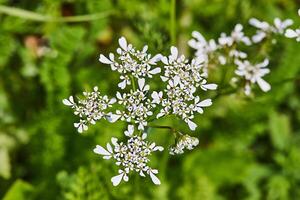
249 147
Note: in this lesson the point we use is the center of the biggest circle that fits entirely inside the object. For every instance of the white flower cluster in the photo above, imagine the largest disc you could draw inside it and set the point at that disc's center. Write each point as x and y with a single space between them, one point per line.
184 142
137 106
210 50
253 74
90 109
183 79
131 62
264 29
132 156
290 33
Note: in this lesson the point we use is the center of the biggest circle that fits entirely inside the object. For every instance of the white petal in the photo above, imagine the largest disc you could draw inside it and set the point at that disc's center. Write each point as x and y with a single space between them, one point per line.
129 130
155 71
263 85
109 148
117 179
199 37
205 103
155 59
114 141
104 60
163 78
154 179
112 101
191 125
69 102
125 178
123 43
100 150
113 117
141 83
158 148
165 60
122 84
211 86
290 33
144 136
174 52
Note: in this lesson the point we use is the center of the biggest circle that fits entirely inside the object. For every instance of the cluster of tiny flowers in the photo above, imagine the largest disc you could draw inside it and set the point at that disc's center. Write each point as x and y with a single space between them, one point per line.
225 50
253 74
90 109
183 79
131 62
132 156
264 29
290 33
137 106
184 142
212 50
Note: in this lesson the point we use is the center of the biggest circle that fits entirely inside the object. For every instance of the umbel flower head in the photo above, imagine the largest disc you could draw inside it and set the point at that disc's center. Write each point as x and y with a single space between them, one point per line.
130 61
290 33
183 80
184 142
131 156
253 74
135 104
90 109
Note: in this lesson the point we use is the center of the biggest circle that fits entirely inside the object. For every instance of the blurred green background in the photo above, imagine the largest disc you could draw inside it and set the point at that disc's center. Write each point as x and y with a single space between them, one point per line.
249 149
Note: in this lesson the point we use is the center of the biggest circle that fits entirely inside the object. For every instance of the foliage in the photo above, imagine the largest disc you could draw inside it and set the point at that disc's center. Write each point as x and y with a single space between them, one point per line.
249 147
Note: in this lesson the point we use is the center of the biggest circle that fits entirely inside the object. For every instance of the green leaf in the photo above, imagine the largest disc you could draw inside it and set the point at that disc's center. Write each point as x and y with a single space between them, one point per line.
20 190
280 130
278 188
5 164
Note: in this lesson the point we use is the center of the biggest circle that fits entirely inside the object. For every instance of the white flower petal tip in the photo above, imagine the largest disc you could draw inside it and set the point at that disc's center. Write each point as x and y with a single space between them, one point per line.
129 131
263 85
117 179
211 86
104 60
192 125
112 118
123 43
101 151
154 178
69 102
290 33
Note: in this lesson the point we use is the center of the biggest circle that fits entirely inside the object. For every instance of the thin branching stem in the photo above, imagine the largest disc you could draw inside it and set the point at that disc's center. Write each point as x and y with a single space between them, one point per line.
173 22
29 15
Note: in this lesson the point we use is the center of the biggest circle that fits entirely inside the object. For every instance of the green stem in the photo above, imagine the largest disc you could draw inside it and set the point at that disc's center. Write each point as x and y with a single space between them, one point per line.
173 22
173 130
25 14
133 83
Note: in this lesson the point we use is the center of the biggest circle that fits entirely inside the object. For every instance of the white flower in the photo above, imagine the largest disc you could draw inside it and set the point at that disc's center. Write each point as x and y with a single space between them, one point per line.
183 79
280 26
253 74
184 142
137 106
132 156
293 34
203 48
157 97
90 109
237 35
265 29
131 61
81 126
